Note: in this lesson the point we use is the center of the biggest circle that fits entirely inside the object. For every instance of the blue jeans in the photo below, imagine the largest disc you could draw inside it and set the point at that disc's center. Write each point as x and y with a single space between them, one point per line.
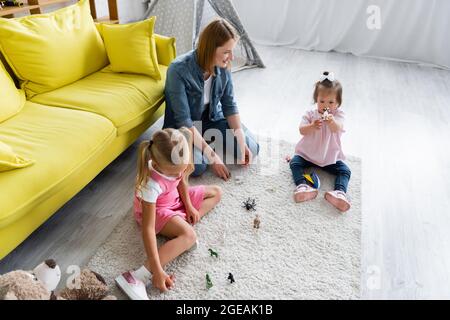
339 169
221 126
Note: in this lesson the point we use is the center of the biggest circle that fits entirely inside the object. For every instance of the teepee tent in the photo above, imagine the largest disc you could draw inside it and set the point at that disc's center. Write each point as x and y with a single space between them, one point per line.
184 20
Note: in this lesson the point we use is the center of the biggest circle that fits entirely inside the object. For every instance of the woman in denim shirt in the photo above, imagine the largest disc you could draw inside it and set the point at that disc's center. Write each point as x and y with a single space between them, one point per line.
199 96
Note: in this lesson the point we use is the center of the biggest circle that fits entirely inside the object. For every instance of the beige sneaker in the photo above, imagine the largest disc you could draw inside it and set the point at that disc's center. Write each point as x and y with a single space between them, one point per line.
338 199
303 192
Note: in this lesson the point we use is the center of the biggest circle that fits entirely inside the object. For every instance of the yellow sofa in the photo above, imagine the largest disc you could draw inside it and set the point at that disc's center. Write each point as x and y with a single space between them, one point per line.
72 133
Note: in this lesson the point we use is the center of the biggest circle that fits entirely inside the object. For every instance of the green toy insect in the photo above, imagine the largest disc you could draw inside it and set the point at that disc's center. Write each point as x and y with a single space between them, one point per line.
213 253
209 283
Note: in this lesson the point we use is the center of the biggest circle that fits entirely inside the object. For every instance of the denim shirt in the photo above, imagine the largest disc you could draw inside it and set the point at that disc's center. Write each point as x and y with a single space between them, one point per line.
184 93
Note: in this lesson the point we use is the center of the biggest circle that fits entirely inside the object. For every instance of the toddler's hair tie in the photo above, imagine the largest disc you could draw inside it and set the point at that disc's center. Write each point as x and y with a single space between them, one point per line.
327 76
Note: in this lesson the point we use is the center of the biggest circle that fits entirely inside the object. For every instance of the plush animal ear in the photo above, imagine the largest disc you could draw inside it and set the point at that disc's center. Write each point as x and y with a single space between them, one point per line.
99 277
50 263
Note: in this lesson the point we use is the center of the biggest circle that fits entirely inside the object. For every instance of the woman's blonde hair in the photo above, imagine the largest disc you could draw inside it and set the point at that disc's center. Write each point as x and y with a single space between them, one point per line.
167 147
214 35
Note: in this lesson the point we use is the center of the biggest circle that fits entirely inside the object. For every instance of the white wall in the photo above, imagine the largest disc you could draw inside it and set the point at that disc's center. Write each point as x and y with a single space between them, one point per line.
411 30
129 10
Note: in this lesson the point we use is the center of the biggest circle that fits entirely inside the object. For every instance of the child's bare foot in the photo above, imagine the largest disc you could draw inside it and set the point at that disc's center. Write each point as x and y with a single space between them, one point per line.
303 192
338 199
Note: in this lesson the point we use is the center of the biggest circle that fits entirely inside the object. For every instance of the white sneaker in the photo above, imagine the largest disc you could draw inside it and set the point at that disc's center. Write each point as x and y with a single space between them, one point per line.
338 199
303 192
131 286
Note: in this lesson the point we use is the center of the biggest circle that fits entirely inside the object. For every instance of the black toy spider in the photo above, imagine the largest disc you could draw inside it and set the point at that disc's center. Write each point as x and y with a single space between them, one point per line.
249 204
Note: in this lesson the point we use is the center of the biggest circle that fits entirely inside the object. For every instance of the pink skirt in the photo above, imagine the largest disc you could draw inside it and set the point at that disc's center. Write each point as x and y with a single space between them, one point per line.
163 215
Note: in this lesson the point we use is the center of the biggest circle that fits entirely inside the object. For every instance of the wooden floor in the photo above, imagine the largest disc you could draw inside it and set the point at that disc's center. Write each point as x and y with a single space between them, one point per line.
397 121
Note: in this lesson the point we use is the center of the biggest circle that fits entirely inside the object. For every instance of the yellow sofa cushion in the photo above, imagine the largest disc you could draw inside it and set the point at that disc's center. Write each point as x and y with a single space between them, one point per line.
11 99
48 51
60 140
131 48
124 98
10 160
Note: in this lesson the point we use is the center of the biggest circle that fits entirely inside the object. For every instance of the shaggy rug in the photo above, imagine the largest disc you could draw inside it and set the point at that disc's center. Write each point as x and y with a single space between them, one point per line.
300 251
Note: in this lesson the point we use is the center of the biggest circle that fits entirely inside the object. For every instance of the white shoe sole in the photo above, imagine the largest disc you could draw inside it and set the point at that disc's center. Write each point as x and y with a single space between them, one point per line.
305 196
338 203
126 288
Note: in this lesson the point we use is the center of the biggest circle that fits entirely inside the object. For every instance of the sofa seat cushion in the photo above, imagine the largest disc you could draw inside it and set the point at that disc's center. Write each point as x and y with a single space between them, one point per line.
124 98
61 141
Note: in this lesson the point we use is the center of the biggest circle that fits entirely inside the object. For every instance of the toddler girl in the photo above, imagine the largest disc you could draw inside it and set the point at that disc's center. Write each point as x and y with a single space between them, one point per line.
164 203
320 145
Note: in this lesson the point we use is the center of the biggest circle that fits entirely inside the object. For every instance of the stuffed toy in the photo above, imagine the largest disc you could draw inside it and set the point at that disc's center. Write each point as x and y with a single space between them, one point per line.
91 286
49 273
22 285
40 284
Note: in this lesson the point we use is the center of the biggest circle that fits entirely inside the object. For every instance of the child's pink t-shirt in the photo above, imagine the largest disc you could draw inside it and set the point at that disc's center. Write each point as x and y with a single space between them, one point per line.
322 147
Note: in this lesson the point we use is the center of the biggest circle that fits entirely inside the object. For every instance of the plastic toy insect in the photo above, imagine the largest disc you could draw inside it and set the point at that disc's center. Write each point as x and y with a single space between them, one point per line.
213 253
209 283
230 277
256 222
249 204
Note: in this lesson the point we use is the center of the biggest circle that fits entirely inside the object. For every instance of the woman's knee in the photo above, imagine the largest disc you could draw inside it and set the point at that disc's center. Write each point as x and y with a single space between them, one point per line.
199 169
253 146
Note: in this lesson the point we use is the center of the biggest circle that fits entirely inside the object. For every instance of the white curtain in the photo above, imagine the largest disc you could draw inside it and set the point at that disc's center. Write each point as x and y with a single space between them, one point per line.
411 30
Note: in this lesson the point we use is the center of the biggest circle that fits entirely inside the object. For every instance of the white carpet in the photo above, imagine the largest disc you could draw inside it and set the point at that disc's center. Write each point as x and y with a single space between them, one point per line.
301 251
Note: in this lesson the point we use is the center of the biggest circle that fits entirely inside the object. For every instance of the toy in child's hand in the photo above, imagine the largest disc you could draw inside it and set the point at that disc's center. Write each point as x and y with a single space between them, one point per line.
256 222
249 204
213 253
326 114
209 283
313 179
230 277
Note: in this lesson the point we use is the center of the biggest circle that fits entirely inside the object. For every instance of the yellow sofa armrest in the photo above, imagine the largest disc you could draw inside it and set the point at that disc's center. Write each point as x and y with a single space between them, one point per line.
165 49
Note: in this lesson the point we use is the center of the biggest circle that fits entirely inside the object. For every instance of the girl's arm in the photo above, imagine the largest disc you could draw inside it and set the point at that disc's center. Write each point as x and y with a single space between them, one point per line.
334 125
192 214
306 129
184 194
149 236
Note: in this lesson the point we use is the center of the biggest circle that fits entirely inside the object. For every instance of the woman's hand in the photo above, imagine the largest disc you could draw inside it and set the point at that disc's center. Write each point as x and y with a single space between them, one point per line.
220 169
192 215
163 281
247 157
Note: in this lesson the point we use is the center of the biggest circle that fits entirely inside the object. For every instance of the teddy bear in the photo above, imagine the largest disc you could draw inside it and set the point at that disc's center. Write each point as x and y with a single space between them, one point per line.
91 286
22 285
40 283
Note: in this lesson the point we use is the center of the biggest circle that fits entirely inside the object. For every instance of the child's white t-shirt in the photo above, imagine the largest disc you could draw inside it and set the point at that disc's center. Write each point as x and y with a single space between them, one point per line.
151 190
